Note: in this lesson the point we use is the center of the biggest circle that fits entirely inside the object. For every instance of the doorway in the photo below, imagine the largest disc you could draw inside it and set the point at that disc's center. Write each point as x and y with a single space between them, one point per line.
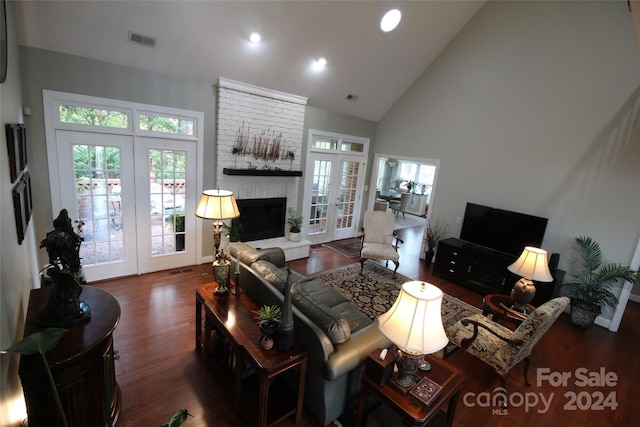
128 175
334 186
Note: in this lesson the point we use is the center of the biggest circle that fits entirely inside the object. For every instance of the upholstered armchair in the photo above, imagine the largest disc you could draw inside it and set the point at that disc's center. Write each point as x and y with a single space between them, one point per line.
379 240
501 347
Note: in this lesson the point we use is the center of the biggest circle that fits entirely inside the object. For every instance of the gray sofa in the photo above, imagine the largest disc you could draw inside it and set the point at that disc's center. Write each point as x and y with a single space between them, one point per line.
338 336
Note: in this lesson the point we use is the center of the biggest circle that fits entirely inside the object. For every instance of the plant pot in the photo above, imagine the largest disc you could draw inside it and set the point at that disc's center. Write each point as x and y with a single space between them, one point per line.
583 315
428 257
295 237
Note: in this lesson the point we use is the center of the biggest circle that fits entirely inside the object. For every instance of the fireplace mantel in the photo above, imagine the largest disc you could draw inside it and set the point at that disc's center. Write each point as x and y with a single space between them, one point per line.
260 172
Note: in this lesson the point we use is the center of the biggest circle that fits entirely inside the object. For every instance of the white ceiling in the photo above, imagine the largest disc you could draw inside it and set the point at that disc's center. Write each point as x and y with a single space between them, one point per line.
205 40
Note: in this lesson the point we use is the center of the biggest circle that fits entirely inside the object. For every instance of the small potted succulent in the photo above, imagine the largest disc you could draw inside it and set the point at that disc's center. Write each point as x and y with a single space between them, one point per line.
268 318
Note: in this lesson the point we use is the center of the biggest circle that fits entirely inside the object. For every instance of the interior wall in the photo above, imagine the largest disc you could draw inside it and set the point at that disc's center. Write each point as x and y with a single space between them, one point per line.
44 69
534 107
18 268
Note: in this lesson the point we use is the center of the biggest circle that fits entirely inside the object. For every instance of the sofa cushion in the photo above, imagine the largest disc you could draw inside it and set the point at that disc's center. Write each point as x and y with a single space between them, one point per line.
272 274
246 253
336 327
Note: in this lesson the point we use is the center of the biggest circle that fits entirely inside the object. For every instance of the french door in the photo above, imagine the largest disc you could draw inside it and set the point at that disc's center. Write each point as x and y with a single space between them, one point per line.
333 189
128 175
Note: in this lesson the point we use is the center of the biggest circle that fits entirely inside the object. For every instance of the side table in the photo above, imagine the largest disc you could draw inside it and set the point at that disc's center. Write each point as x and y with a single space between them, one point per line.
410 411
495 304
232 317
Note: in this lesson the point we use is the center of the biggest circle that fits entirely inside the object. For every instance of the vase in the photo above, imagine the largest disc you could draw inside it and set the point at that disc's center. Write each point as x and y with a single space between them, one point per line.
267 336
428 257
221 274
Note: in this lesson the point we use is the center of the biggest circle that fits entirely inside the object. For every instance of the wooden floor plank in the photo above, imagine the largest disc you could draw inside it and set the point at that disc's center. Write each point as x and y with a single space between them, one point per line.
160 372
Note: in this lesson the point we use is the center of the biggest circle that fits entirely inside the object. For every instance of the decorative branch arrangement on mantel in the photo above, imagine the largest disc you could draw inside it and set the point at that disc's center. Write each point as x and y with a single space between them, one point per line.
264 145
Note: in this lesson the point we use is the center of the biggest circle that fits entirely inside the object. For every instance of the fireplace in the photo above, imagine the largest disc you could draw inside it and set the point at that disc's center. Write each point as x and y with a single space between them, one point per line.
261 218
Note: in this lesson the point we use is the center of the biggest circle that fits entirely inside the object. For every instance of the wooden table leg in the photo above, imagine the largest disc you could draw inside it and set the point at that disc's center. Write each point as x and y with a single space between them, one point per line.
301 385
263 401
361 417
451 410
198 324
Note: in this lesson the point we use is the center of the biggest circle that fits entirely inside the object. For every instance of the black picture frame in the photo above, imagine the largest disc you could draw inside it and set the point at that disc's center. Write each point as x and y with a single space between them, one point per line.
22 205
3 41
16 149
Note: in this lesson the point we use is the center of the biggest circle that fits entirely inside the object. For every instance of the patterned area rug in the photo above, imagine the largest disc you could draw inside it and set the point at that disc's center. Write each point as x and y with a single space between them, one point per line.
376 291
347 247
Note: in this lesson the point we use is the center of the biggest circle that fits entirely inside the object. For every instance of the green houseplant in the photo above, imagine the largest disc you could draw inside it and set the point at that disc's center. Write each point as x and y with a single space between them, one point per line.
176 222
590 288
436 231
295 223
268 318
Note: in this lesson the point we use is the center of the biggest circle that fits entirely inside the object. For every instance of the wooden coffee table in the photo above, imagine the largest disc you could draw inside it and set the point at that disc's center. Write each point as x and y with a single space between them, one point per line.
410 411
233 320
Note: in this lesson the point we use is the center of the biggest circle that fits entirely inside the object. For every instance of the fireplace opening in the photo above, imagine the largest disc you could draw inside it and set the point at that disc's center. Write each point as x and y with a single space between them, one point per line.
261 218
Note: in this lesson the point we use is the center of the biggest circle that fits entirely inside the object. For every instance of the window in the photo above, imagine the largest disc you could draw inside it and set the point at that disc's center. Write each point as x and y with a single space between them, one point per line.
79 115
162 124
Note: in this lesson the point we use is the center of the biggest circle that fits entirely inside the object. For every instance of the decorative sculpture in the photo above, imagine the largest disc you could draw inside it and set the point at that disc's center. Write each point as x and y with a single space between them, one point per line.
63 308
285 330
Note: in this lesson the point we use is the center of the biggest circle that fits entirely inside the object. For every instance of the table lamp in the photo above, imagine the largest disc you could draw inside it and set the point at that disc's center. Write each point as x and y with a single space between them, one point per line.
414 325
217 205
531 265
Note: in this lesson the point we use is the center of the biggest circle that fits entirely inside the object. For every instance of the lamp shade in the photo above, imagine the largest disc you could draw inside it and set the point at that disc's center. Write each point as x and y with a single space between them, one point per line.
532 264
217 205
414 322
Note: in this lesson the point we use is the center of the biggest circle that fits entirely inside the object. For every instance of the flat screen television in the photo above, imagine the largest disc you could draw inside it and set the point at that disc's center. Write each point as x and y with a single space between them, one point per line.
502 230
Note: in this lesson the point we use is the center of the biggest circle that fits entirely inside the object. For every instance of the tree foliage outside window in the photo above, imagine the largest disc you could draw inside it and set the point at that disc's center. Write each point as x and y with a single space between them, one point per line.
166 124
93 116
96 162
168 164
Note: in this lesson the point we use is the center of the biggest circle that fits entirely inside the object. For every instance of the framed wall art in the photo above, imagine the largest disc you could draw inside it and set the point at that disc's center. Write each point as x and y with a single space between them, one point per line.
22 205
16 149
3 41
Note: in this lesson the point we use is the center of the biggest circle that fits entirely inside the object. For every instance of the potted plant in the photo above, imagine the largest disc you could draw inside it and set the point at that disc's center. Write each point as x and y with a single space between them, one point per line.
410 184
268 318
176 222
435 232
590 288
234 230
295 222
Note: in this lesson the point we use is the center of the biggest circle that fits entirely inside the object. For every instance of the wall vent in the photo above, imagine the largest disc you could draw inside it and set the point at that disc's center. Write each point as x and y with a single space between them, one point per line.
351 97
142 39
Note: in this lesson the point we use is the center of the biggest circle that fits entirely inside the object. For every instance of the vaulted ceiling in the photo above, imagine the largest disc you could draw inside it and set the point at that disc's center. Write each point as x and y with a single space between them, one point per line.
205 40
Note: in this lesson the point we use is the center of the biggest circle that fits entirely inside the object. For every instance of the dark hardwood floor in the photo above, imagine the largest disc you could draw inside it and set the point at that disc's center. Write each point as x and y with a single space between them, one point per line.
159 371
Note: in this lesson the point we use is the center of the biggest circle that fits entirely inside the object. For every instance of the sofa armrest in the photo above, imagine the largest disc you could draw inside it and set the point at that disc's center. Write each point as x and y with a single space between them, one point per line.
348 355
275 255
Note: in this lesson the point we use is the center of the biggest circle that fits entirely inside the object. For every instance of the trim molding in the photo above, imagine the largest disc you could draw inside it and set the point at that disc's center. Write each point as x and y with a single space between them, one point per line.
257 90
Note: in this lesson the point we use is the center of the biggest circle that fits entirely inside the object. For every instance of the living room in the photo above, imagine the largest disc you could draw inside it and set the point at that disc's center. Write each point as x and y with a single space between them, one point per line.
532 107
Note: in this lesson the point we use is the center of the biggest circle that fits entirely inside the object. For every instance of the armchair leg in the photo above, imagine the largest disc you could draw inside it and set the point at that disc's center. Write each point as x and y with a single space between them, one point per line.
362 260
397 263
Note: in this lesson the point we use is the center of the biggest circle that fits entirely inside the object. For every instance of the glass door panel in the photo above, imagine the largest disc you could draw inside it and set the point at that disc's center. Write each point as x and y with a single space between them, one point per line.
97 169
348 201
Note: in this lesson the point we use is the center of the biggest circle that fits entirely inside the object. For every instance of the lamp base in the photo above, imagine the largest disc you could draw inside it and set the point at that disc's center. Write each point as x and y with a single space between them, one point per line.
522 294
407 362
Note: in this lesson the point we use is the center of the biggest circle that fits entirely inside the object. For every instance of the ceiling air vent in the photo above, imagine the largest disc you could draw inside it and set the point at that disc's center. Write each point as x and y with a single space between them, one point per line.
142 39
351 97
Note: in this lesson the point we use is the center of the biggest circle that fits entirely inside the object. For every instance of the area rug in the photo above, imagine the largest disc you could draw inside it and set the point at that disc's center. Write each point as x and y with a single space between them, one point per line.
375 291
347 247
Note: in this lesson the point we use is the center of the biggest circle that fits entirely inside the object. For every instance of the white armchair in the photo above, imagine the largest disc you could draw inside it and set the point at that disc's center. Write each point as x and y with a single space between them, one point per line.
379 240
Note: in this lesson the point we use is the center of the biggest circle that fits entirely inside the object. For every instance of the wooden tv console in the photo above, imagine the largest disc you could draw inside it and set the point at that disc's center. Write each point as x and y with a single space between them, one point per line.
485 271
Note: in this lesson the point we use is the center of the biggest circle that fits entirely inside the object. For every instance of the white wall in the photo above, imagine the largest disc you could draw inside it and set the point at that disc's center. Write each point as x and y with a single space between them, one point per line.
18 268
534 107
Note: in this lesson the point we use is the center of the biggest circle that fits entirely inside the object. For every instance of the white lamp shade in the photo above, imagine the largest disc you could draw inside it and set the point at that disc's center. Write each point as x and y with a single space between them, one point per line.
217 205
414 322
533 265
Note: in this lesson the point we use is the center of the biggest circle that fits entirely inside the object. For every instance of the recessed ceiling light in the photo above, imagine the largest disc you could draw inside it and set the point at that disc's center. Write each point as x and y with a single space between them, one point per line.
319 63
255 38
390 20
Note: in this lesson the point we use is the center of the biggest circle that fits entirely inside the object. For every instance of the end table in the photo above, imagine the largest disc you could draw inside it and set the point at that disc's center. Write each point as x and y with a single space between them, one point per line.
409 410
